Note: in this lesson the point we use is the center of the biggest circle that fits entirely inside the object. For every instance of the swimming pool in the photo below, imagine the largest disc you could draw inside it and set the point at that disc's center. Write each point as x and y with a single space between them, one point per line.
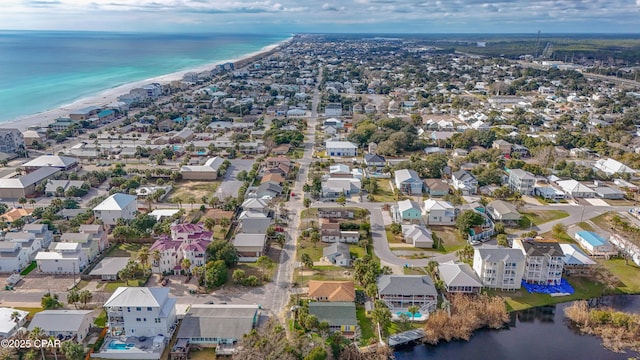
119 345
415 315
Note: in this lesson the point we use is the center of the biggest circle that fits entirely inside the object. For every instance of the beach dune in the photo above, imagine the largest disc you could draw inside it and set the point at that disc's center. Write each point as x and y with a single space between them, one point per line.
109 96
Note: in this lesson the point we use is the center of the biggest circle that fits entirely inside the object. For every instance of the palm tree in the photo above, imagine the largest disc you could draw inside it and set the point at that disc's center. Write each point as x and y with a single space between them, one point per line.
54 349
198 272
306 260
186 265
32 202
36 334
73 297
155 255
413 309
15 317
143 256
22 200
85 296
209 224
432 266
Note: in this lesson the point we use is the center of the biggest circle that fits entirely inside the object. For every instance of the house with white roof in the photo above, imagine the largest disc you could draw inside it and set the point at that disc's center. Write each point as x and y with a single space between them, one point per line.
336 187
8 323
498 267
575 189
503 211
29 243
408 181
116 206
256 205
459 278
62 258
341 148
610 167
595 244
64 324
439 212
254 222
208 171
141 311
406 210
417 235
41 232
64 163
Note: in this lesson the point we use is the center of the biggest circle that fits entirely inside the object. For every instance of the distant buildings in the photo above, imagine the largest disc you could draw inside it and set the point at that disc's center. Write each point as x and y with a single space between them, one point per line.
11 140
341 148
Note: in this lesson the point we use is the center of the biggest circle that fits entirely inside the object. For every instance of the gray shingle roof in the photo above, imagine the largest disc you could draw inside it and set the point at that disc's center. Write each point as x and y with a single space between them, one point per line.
458 275
406 285
59 320
217 321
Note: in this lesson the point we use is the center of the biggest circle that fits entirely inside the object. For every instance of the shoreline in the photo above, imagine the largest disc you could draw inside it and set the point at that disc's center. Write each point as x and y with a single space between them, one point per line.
110 95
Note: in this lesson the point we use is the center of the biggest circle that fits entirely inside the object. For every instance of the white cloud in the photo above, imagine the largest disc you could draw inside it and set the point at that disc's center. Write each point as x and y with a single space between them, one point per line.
427 15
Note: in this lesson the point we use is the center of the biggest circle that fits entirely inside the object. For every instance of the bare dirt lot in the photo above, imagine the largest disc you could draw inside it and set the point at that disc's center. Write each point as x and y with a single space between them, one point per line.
53 283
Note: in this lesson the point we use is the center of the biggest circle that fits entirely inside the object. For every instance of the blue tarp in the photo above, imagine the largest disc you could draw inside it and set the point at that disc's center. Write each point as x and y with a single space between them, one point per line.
563 288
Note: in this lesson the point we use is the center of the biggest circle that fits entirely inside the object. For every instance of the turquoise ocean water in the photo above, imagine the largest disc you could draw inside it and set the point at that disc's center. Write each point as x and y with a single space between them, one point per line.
43 70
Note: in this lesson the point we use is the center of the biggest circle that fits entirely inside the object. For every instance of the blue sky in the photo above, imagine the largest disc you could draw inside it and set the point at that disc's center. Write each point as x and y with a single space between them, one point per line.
278 16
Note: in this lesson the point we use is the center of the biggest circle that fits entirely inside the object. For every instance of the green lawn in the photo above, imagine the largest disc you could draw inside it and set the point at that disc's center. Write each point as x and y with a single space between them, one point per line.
124 250
204 354
366 326
540 217
414 271
628 274
519 300
101 320
314 251
112 286
309 213
385 192
356 251
449 239
29 268
393 238
31 311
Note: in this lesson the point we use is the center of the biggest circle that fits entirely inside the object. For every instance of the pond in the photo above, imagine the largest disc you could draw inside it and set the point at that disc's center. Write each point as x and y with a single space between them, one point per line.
537 333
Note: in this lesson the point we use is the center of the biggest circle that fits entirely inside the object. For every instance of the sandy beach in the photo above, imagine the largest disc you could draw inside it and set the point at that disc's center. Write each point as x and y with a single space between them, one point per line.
109 96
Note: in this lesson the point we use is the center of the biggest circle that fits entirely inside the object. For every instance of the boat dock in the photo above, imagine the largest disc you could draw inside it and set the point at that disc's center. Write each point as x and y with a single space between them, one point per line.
405 338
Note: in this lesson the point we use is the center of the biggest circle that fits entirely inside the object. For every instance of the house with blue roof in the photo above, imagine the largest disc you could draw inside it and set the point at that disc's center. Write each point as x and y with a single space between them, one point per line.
595 244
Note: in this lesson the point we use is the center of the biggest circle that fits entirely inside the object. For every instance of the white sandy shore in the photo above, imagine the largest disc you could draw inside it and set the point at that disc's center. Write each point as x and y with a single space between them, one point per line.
111 95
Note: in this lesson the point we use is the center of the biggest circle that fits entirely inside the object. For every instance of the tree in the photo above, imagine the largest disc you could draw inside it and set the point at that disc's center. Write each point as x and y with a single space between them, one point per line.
306 260
318 353
50 302
72 350
413 310
306 202
264 262
84 297
381 315
143 256
73 297
502 240
467 220
15 316
198 272
186 265
432 267
209 224
341 200
238 276
466 253
155 255
215 273
22 200
371 290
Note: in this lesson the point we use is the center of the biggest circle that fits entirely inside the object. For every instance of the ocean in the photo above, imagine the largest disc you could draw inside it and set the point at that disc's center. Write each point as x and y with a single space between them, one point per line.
43 70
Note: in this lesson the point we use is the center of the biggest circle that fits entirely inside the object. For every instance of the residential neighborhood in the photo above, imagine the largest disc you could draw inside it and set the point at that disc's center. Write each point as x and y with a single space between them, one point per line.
322 188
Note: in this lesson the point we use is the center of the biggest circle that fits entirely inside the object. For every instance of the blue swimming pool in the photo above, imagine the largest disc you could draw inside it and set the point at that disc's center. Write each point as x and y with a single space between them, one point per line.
415 315
119 345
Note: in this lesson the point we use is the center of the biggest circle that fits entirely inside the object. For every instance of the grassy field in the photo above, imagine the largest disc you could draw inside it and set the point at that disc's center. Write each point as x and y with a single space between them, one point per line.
540 217
124 250
101 320
29 268
521 299
31 311
322 273
314 250
628 274
449 239
366 326
585 226
111 286
414 271
309 213
385 192
184 190
393 238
